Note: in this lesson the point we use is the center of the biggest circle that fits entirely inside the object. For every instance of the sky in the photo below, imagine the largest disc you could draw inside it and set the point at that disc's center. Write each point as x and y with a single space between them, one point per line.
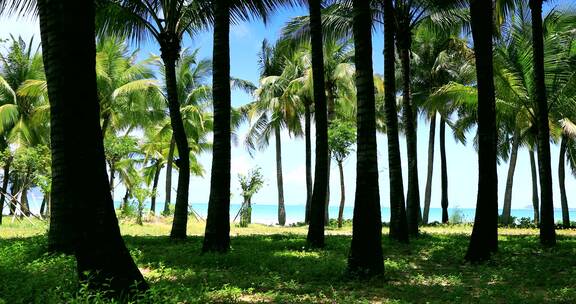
246 39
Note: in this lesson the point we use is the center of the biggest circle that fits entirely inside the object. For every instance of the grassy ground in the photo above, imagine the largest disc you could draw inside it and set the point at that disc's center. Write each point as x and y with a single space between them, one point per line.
270 265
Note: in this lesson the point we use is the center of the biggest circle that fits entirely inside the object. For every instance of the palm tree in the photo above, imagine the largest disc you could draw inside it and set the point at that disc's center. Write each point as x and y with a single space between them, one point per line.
365 256
103 260
484 239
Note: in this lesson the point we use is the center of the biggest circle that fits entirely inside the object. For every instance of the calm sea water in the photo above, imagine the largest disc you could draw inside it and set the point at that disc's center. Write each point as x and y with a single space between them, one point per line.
268 214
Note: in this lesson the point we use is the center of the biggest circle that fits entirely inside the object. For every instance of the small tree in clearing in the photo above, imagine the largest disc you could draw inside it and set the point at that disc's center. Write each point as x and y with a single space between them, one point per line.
250 184
341 138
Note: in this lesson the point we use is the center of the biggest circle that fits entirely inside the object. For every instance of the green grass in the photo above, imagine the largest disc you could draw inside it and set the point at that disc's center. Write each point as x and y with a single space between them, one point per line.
270 265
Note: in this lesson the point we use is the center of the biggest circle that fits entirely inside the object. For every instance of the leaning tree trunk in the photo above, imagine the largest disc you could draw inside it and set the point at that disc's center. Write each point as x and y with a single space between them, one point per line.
217 234
170 49
168 188
307 135
155 187
5 180
535 200
562 182
315 237
342 195
24 206
279 178
484 239
547 231
443 171
413 195
398 223
83 220
430 171
12 202
365 257
507 208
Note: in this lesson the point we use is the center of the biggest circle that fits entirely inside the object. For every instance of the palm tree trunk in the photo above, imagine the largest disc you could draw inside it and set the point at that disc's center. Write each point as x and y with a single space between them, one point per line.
170 54
398 223
331 107
484 239
43 204
365 258
507 208
547 231
443 171
307 135
217 234
5 180
12 201
342 195
279 179
155 187
83 220
112 173
124 203
430 171
562 182
535 200
413 195
168 188
315 237
24 206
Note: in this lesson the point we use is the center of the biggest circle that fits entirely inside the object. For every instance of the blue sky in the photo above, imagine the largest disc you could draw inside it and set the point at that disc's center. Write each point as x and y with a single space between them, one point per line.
246 39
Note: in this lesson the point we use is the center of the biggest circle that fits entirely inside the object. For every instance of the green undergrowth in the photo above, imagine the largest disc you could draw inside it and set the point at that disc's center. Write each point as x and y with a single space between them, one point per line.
276 268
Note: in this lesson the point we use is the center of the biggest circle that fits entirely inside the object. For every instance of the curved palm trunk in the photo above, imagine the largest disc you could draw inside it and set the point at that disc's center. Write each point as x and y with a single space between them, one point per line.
5 180
413 195
547 231
342 195
155 187
307 135
430 171
562 183
535 200
83 220
168 188
507 208
443 171
398 223
170 53
315 237
217 234
279 179
365 258
484 238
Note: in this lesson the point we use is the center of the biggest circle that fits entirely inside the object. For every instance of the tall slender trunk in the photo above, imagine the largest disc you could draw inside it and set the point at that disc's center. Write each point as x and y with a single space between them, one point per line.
112 173
279 179
24 206
124 203
217 234
535 200
315 237
398 223
307 135
547 231
342 195
83 220
413 195
12 202
365 257
443 171
170 52
562 182
507 208
43 204
430 171
331 107
484 239
5 180
168 188
155 187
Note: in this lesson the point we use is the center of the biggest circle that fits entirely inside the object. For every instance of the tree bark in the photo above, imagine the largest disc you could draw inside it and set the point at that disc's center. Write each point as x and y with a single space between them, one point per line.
365 257
307 135
507 208
484 238
535 200
124 203
331 107
217 234
430 171
24 206
5 180
547 230
562 182
168 188
315 237
279 178
112 173
443 171
43 204
342 195
83 220
155 187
